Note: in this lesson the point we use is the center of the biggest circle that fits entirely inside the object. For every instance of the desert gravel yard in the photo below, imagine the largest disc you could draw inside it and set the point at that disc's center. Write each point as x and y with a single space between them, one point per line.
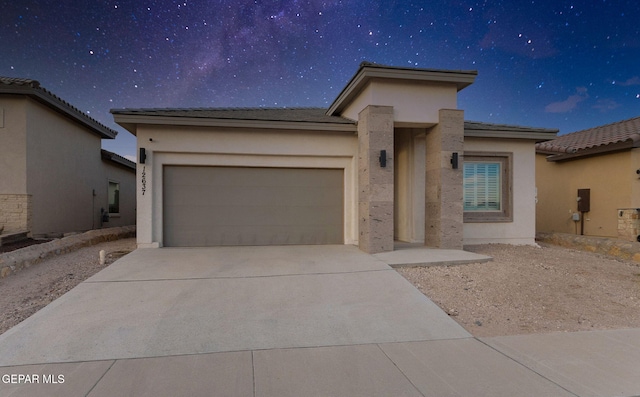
29 290
527 289
523 290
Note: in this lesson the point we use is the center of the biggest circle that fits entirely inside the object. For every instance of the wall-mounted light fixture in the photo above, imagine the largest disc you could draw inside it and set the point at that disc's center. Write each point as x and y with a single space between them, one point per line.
454 160
383 158
143 155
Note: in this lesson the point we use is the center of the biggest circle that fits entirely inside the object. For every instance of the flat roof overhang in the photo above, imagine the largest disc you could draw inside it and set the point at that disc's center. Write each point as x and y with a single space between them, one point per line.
129 122
370 71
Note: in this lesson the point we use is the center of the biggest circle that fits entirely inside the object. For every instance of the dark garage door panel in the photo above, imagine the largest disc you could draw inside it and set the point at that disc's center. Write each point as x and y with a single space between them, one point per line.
211 206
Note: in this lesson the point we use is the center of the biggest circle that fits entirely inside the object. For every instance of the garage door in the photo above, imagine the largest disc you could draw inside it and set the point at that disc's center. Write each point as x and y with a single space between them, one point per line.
212 206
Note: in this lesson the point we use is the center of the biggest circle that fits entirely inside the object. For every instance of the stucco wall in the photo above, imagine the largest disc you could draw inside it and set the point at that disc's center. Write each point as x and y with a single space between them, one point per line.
53 180
522 229
612 179
410 181
167 145
13 147
67 179
127 180
14 201
414 103
62 161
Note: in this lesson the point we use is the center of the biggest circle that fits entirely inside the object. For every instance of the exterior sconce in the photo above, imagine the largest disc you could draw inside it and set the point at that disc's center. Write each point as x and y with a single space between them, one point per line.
383 158
143 155
454 160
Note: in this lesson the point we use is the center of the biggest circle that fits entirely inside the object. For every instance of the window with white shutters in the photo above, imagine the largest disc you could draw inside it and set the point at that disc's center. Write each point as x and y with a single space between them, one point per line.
487 187
482 186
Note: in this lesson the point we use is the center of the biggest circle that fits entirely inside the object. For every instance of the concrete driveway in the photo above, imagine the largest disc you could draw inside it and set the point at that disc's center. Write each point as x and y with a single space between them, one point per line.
261 321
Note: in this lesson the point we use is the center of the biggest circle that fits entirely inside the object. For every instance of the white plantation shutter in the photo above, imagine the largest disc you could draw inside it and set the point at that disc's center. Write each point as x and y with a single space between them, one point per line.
482 186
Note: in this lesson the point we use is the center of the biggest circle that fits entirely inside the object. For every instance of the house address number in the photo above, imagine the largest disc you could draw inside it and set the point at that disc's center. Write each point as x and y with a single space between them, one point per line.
144 180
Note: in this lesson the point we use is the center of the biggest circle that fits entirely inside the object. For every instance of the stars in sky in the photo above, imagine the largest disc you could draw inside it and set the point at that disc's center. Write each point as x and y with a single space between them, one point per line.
548 63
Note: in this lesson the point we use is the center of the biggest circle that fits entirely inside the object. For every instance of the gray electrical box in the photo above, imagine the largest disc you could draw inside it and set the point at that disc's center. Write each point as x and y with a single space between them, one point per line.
575 216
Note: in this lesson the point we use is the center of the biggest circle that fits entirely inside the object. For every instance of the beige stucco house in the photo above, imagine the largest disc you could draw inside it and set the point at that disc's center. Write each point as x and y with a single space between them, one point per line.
601 166
54 177
391 159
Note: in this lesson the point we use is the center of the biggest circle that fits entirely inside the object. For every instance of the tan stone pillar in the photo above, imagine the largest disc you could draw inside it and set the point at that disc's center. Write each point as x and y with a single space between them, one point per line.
443 184
375 183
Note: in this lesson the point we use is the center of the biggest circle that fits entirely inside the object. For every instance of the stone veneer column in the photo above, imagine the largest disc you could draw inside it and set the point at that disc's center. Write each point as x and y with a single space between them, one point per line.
443 195
375 184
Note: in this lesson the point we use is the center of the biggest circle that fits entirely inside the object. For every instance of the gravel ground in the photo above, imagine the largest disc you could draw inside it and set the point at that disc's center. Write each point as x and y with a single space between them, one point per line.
31 289
532 290
523 290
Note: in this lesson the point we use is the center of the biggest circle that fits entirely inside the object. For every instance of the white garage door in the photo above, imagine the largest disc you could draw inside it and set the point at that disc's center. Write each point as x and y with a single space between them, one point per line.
212 206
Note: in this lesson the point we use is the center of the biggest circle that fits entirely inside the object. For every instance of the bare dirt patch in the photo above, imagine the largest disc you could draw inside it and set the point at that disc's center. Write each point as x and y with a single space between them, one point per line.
530 290
31 289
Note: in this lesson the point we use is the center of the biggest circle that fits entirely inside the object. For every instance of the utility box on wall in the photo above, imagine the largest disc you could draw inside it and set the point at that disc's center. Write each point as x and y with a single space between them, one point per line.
584 200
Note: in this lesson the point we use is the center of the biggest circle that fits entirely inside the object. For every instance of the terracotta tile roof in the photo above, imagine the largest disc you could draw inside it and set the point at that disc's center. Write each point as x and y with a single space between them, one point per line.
32 88
607 136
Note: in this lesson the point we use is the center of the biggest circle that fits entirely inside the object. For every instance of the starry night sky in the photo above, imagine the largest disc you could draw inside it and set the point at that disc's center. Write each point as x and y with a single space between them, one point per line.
543 63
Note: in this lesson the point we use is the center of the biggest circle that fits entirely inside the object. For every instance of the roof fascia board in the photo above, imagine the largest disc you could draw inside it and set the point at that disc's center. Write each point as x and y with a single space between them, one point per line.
358 82
131 120
61 107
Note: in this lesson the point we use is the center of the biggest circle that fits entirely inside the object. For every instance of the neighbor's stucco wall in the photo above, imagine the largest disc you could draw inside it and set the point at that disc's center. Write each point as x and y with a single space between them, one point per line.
15 213
127 180
613 182
173 145
522 229
13 146
51 168
63 168
634 178
414 103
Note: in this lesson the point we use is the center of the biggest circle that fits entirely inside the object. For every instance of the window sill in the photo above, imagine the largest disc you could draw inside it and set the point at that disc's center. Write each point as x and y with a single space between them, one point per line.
486 217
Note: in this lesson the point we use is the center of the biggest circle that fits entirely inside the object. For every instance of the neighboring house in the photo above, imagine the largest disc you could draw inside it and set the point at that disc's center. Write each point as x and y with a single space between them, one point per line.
600 165
54 177
391 159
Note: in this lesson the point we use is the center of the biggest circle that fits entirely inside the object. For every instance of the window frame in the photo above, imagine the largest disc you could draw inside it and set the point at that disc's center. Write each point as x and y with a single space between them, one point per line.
111 181
505 214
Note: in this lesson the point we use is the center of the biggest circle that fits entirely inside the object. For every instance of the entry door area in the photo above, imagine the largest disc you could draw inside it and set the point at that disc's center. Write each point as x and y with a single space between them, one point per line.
216 206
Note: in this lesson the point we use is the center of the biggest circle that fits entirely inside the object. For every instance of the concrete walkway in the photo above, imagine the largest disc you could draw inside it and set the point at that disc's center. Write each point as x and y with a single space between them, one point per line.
287 321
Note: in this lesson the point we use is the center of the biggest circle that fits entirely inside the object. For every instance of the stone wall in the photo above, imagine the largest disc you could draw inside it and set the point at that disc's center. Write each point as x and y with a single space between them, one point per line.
603 245
11 262
629 224
15 213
